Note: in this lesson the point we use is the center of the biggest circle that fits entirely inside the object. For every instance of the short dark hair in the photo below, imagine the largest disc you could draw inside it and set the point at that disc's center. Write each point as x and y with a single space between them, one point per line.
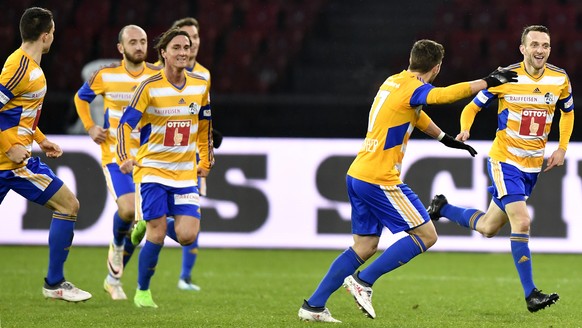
536 28
425 55
34 22
186 21
165 39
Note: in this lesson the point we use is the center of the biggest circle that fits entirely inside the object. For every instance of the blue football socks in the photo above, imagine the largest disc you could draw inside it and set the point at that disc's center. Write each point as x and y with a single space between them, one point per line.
148 259
522 259
128 249
189 256
398 254
60 241
466 217
344 265
120 229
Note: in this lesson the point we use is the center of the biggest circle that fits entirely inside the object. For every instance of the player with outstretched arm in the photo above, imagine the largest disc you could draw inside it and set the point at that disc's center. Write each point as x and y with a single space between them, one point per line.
377 195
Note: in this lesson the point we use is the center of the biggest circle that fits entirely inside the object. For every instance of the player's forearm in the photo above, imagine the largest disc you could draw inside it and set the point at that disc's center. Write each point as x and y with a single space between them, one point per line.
423 122
84 112
468 116
123 135
204 143
5 145
477 86
566 128
432 130
451 93
38 136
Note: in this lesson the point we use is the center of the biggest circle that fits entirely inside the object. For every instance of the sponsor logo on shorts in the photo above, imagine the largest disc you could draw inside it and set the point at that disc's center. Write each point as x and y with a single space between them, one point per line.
187 199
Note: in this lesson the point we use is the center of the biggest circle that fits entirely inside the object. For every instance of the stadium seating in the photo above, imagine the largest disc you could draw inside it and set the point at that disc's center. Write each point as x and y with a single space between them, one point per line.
266 46
235 35
479 34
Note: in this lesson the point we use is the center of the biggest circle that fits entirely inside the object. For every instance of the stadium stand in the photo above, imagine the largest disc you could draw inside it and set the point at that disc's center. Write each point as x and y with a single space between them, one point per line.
324 55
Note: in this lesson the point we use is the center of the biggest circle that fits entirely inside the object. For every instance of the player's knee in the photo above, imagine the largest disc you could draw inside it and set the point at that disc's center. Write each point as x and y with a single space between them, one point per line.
126 214
156 234
430 239
187 240
520 224
71 206
365 248
488 232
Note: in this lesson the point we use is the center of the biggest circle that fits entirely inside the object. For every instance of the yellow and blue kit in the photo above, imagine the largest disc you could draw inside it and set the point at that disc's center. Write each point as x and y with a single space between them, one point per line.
116 84
22 91
525 114
174 122
395 112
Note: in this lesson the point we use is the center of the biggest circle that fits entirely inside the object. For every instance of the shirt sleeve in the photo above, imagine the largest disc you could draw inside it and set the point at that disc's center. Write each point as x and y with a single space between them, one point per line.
38 135
423 121
5 145
468 116
130 119
10 82
204 141
83 107
448 94
566 128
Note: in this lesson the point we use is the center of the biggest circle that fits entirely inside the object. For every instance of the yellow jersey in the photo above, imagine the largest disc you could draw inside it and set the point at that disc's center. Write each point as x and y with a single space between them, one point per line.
22 90
174 123
395 112
116 84
524 116
201 70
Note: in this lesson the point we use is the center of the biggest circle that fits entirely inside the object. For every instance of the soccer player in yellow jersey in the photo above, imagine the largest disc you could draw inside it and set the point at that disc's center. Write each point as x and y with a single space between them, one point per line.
173 110
525 113
116 84
190 252
22 91
377 195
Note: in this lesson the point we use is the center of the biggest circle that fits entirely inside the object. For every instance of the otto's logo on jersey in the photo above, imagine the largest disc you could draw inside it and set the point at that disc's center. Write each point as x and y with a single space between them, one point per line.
535 113
549 98
178 124
177 133
533 122
194 108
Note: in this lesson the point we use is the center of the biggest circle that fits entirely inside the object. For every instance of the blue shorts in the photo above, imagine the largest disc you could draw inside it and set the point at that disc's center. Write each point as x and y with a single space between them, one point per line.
35 181
156 200
374 206
118 183
510 184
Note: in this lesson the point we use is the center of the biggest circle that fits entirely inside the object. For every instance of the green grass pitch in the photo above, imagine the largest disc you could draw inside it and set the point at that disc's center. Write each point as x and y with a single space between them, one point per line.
265 288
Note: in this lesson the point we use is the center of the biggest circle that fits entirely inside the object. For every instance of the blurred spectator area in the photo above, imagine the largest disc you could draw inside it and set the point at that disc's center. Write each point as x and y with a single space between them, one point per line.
248 44
480 35
321 60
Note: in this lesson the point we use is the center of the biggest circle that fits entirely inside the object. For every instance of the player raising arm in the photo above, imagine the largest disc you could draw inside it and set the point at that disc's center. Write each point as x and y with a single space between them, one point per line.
524 115
377 195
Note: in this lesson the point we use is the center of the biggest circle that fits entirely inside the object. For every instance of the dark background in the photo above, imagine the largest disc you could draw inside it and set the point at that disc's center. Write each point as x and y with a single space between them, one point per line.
304 68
